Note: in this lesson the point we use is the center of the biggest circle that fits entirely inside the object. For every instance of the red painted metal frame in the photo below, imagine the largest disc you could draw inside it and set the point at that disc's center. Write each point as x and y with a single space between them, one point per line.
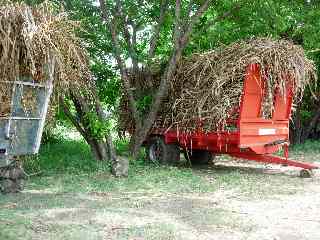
254 138
273 159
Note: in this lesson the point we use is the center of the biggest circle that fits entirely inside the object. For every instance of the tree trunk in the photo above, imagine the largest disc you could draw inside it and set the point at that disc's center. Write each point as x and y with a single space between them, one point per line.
120 166
99 149
102 149
297 126
312 124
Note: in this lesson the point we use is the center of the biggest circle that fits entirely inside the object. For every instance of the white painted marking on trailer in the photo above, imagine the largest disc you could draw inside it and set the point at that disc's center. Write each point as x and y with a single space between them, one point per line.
267 131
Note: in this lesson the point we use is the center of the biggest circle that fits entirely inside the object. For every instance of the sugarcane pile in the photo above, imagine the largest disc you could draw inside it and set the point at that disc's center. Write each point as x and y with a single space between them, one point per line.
32 38
208 86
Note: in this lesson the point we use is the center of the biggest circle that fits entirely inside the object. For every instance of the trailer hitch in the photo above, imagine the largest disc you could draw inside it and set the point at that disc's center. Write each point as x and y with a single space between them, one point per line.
278 142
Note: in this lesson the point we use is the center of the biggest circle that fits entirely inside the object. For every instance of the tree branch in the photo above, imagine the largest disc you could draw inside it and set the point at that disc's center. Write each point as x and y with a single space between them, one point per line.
155 37
117 54
189 9
72 118
194 19
134 55
131 41
177 23
104 13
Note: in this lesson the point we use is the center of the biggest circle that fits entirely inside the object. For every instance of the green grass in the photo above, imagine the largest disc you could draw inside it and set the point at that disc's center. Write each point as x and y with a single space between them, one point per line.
72 196
309 147
151 232
66 156
309 151
67 166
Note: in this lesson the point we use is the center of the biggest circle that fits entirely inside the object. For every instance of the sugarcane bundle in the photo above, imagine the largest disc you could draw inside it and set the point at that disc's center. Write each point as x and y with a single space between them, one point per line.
208 86
30 38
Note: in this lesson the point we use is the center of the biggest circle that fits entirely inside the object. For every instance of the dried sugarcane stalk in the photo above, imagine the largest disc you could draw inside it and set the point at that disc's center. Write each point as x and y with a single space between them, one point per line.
208 86
28 36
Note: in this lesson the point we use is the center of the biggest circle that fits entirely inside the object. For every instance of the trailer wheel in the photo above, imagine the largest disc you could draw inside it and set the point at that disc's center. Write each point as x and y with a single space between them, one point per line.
199 157
305 173
160 152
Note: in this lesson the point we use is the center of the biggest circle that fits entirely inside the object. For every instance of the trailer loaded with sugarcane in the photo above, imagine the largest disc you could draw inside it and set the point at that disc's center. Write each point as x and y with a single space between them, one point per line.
39 52
236 100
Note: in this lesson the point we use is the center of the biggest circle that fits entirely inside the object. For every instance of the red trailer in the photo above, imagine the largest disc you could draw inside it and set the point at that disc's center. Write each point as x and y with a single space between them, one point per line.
249 137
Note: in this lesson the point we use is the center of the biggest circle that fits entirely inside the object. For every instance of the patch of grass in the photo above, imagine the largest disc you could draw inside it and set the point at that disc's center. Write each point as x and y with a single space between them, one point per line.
66 156
149 232
308 152
35 229
250 181
76 197
310 146
68 166
148 178
18 230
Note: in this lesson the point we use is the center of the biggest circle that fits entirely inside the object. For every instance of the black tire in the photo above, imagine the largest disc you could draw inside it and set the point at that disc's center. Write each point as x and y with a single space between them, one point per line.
305 173
161 153
199 157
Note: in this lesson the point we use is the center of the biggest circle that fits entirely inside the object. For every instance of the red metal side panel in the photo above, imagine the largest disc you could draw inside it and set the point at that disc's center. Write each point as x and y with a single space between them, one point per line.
260 133
282 105
253 91
257 133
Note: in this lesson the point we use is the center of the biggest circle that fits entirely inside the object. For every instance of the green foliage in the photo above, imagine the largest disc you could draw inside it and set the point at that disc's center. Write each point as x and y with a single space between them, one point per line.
305 115
144 103
122 146
99 129
50 136
289 19
108 84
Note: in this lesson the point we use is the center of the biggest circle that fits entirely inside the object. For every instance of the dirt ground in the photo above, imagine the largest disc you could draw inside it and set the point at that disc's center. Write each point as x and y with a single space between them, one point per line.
221 214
